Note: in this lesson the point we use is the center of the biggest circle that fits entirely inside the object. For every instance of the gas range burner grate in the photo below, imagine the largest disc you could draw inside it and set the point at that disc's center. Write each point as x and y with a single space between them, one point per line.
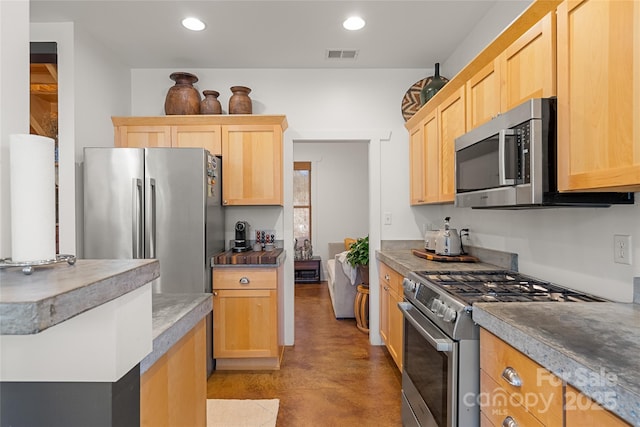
501 286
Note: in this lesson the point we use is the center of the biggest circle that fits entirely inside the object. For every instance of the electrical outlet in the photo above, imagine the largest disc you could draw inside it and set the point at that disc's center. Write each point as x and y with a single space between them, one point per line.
387 218
622 249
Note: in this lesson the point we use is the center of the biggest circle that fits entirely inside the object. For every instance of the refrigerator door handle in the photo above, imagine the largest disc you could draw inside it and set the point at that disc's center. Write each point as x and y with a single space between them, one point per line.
152 222
136 219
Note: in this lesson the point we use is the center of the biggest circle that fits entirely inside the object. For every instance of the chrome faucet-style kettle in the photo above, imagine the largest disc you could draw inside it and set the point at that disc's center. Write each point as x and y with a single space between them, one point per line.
448 240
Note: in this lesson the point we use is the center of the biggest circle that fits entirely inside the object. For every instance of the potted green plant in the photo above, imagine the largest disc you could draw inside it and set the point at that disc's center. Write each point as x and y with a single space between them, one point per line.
358 257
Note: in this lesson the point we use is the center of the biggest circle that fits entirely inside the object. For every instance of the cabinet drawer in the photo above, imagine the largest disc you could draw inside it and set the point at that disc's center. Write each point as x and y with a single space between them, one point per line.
245 278
497 405
540 391
581 411
390 278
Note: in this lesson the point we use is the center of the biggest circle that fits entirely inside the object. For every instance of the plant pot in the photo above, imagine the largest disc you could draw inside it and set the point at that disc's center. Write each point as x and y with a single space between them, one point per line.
182 98
363 270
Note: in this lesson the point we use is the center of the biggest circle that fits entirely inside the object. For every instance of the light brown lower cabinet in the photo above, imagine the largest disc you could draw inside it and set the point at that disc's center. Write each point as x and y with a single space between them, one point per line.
247 329
173 391
581 411
516 389
391 320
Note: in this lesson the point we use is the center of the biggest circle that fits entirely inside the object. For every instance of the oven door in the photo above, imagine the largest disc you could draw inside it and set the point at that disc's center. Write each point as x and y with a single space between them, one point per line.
430 372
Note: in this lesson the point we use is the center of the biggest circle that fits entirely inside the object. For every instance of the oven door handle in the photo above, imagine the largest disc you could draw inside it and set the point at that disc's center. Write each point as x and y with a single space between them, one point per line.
440 341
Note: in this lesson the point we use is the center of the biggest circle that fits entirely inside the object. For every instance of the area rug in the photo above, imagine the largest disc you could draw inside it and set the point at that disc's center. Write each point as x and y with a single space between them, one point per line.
242 413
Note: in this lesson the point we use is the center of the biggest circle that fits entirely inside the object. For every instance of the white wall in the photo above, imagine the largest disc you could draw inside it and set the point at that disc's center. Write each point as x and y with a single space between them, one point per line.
93 86
489 26
14 99
340 191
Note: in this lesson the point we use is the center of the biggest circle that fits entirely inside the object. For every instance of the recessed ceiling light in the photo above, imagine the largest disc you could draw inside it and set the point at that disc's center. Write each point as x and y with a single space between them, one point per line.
193 24
353 23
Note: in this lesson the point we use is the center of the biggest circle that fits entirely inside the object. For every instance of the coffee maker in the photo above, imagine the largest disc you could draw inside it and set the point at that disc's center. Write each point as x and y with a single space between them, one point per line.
241 243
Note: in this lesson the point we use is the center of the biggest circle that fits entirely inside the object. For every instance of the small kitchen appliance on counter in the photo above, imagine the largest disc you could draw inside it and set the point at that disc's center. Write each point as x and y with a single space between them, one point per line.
241 243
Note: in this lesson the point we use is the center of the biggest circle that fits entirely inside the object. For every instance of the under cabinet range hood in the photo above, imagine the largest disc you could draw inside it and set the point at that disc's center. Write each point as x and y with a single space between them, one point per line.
510 162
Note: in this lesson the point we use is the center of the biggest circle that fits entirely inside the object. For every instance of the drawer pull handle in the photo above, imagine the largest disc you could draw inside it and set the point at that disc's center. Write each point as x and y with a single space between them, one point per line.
244 280
215 293
386 277
511 376
509 422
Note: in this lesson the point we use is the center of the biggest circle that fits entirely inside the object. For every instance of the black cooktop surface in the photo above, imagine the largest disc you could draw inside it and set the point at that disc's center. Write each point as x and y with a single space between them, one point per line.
501 286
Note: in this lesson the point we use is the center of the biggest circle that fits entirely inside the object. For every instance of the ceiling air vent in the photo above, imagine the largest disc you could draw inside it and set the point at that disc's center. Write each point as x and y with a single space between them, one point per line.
342 53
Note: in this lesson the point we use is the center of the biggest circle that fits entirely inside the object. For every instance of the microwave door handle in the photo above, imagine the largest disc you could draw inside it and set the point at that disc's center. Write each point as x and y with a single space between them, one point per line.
502 166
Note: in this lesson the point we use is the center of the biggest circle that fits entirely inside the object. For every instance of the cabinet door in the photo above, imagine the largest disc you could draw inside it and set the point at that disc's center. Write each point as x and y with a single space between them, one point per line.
528 65
416 165
581 411
432 159
198 136
143 136
245 323
483 95
252 165
451 124
396 325
599 95
384 311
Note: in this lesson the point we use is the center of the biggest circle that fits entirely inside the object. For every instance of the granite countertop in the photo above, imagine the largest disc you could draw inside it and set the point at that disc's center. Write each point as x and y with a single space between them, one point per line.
32 303
404 261
173 316
595 347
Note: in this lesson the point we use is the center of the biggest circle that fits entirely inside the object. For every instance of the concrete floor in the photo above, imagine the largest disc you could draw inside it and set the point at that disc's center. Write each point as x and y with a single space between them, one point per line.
331 377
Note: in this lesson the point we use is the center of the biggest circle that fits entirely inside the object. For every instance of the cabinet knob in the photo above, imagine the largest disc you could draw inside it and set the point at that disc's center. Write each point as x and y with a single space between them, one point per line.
244 280
511 376
386 277
215 293
225 202
509 422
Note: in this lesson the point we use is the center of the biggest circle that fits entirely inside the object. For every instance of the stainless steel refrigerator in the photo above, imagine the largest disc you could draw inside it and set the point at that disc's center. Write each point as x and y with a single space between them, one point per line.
162 203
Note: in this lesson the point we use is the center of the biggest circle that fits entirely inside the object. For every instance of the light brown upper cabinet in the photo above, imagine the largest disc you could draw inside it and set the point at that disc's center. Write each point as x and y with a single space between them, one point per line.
599 95
169 131
432 151
250 145
451 124
524 70
252 165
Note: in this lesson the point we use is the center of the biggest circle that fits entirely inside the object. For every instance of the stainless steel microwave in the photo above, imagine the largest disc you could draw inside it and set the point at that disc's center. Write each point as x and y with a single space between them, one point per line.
510 162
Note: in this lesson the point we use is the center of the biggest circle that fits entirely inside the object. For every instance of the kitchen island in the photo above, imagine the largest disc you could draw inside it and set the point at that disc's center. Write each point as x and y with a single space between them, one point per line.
593 347
82 343
71 341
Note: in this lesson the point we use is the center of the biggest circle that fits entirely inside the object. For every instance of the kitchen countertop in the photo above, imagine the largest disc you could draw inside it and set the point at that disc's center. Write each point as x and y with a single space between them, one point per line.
278 261
173 316
593 346
404 261
32 303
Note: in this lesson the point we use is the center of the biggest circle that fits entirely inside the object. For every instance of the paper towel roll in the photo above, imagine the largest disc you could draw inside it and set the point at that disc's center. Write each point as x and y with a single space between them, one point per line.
33 198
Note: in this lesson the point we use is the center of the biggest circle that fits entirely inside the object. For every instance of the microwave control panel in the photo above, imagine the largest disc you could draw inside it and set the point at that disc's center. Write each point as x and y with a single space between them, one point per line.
523 132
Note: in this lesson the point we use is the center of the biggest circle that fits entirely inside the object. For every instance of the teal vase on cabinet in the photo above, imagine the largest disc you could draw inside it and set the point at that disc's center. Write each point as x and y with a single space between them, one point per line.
433 86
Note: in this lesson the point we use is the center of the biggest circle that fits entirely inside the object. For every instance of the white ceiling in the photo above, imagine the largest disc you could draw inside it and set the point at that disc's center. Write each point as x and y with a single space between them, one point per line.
271 34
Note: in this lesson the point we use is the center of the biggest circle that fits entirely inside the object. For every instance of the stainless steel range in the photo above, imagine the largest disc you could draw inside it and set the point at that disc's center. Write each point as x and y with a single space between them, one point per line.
441 373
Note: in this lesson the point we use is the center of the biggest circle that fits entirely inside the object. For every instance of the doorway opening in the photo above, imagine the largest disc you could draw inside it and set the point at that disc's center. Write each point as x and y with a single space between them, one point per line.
43 101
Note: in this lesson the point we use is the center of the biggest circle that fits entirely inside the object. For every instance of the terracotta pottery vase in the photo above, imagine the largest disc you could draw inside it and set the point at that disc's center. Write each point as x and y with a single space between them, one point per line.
210 103
182 98
433 86
240 103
